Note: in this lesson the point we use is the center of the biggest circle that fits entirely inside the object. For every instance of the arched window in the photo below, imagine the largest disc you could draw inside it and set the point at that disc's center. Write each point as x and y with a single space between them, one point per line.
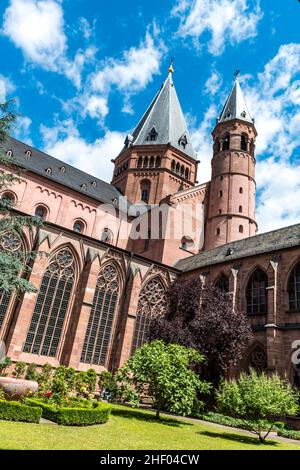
226 142
41 212
186 174
140 162
294 288
177 168
173 164
218 231
145 190
187 243
182 170
146 162
244 142
222 283
241 191
98 334
8 197
152 300
252 147
158 162
52 305
240 209
78 226
9 242
151 162
106 235
241 229
221 193
256 292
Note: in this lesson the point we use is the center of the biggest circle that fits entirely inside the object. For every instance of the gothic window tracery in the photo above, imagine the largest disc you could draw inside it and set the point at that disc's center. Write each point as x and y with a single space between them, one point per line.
9 242
152 301
52 305
101 321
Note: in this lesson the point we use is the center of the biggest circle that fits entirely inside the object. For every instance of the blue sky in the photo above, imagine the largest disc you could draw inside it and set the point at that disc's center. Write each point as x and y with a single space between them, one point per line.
84 71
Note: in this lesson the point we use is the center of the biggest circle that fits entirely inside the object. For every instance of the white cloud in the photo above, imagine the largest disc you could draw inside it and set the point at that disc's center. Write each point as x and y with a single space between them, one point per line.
6 88
37 28
226 20
132 72
22 129
64 142
213 83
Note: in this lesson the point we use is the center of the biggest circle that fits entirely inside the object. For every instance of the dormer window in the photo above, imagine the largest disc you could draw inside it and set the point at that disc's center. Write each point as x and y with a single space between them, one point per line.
62 169
84 187
94 184
183 141
228 114
152 135
243 114
28 153
49 171
128 141
9 153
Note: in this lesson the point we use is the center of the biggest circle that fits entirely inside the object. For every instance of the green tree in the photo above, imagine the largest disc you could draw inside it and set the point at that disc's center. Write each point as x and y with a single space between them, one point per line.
165 373
259 400
16 262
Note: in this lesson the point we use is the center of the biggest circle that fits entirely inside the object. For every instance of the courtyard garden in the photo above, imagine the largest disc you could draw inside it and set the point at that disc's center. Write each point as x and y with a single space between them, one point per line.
131 429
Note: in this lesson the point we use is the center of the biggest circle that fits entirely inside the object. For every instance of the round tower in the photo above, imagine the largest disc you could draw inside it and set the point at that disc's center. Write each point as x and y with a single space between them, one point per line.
231 207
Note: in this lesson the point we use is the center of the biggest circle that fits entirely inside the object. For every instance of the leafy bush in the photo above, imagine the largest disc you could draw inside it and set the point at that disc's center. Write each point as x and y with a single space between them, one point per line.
219 418
107 383
97 414
16 411
289 433
31 372
257 399
19 371
165 373
4 365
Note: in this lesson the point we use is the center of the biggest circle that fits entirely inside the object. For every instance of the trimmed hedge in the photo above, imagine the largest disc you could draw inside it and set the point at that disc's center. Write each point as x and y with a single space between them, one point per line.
73 416
289 433
16 411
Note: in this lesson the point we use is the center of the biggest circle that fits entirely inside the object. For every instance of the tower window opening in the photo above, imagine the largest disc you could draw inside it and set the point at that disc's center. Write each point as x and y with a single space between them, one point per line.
218 231
151 162
187 174
158 162
244 143
226 142
41 212
152 135
221 193
78 226
146 162
140 162
240 209
145 191
173 164
177 168
241 190
241 229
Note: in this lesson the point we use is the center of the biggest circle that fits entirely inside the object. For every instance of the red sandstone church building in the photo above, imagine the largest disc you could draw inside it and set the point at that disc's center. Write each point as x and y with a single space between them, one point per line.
100 283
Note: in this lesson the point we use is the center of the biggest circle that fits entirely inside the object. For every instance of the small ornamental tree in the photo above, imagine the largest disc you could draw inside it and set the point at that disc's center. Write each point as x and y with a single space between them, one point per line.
164 372
203 318
12 262
259 400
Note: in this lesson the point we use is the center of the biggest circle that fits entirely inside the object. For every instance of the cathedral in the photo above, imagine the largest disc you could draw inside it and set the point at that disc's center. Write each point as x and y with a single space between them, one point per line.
112 250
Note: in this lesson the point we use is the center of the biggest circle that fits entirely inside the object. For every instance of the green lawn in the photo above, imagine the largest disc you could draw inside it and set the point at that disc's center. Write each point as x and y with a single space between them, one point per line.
129 429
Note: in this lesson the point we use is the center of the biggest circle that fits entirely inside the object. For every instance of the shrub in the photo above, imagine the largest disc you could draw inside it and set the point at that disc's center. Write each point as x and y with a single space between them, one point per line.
219 418
97 414
31 372
107 383
289 433
16 411
20 368
257 399
91 380
4 365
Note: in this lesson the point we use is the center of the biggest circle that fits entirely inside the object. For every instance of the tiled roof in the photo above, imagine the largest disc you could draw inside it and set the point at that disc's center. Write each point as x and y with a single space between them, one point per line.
60 172
283 238
235 106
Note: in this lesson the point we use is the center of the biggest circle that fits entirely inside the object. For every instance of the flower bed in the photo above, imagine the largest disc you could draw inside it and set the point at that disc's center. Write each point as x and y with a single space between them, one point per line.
17 411
73 416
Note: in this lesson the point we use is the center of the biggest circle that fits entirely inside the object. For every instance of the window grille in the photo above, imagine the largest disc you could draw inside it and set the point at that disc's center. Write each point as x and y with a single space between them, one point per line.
51 306
101 321
152 300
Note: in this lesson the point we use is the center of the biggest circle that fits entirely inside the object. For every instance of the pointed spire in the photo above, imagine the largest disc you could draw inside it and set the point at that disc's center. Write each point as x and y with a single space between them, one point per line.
235 106
163 122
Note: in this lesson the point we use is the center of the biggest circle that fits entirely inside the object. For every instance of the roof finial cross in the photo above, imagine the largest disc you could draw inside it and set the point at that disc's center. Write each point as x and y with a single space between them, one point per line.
171 68
236 73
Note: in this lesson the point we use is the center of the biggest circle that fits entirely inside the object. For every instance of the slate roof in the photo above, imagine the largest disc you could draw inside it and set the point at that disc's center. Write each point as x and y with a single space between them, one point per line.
235 106
165 116
72 178
283 238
